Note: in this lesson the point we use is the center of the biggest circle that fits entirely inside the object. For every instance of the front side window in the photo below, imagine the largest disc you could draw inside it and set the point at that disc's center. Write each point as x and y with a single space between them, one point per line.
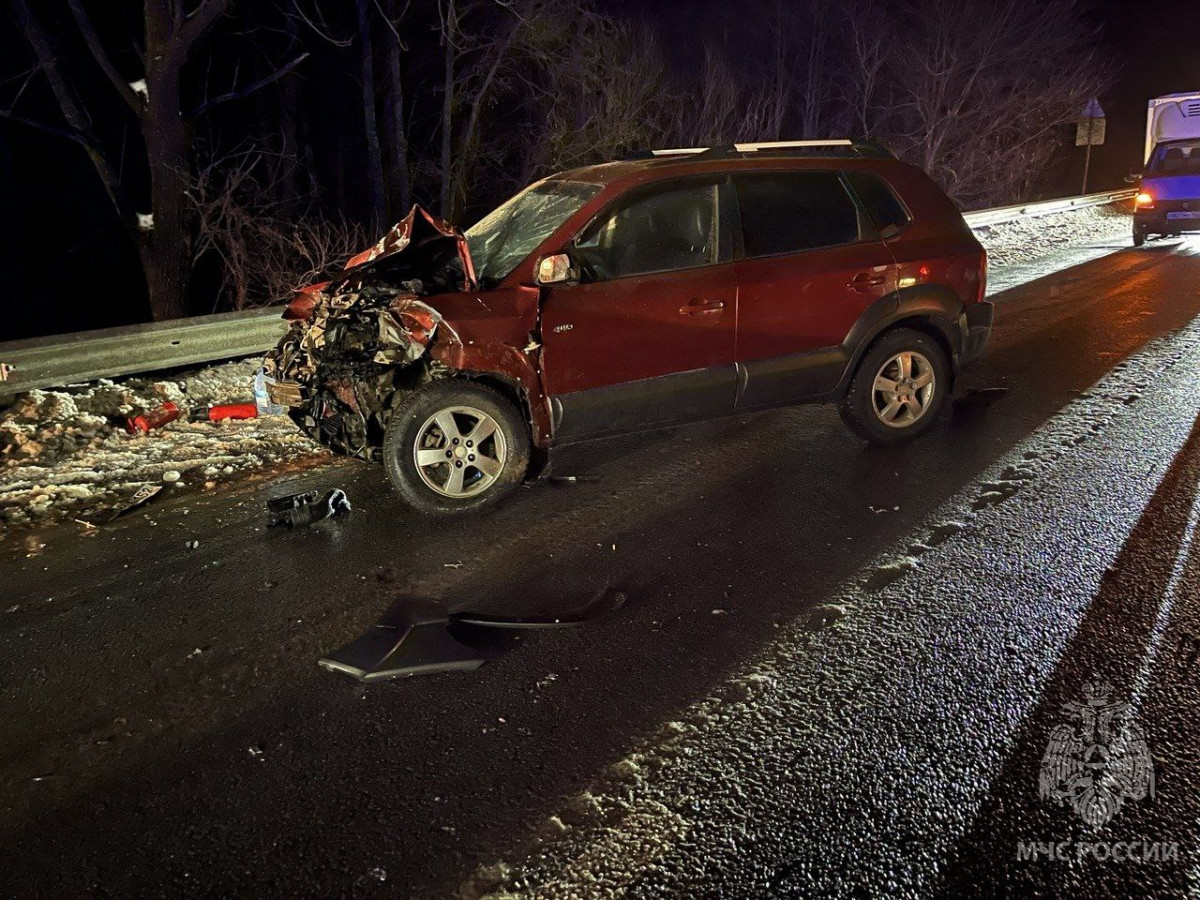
671 229
783 212
504 237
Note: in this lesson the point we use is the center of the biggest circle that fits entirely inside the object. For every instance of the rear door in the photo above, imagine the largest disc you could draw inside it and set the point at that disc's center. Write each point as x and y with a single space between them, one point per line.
647 335
811 264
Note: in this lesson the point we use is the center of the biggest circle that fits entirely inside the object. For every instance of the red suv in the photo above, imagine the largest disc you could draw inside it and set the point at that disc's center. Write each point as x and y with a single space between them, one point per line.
679 286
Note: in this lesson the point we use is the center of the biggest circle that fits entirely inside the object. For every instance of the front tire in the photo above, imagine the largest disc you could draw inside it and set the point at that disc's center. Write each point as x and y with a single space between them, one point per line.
455 447
898 389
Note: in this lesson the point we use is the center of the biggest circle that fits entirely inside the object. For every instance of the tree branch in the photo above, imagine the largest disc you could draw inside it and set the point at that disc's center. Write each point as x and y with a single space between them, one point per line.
197 24
76 117
250 88
98 53
68 133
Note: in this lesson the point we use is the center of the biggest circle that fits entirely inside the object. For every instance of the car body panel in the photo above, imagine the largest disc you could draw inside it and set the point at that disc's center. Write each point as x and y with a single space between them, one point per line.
673 329
794 309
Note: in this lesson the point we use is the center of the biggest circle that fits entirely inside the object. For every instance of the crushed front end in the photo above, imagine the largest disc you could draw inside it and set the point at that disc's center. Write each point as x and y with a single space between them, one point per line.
359 340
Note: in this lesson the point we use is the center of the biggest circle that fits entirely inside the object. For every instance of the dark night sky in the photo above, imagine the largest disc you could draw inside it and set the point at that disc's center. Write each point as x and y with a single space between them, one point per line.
1155 47
1152 45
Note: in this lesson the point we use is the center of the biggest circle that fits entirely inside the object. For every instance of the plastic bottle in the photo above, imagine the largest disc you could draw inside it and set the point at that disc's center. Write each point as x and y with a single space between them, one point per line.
262 399
157 418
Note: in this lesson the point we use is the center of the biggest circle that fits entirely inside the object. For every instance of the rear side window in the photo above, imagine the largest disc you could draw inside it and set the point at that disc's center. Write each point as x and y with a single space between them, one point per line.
783 212
671 229
887 213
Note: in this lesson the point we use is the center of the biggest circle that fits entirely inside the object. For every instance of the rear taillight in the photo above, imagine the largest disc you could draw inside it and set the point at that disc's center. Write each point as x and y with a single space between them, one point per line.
1144 201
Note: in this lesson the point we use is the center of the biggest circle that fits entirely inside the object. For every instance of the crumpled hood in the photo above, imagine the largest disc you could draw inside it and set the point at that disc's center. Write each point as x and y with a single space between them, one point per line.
371 312
418 246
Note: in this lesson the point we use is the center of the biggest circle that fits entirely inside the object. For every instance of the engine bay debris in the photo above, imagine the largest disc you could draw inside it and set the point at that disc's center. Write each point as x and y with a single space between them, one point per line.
351 338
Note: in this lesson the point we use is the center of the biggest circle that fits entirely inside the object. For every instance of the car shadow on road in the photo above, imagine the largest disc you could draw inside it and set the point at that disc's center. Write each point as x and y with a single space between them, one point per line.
1117 642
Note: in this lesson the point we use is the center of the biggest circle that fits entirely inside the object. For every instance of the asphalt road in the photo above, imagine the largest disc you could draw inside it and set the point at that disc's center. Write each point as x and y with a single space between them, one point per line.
167 732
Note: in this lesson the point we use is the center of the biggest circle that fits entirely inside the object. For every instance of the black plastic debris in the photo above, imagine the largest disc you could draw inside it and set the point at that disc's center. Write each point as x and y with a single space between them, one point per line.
420 636
299 510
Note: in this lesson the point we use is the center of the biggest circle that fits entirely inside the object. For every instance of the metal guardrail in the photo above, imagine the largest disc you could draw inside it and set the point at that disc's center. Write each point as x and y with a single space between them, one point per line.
983 218
109 352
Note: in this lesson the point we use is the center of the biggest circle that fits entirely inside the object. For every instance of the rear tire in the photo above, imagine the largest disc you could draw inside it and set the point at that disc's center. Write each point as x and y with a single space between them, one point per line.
899 388
1139 235
455 447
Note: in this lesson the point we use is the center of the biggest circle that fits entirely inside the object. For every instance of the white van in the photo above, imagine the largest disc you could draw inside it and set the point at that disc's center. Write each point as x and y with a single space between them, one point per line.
1169 200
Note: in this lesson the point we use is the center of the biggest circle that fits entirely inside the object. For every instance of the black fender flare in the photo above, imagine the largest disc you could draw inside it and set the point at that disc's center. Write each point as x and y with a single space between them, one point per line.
932 307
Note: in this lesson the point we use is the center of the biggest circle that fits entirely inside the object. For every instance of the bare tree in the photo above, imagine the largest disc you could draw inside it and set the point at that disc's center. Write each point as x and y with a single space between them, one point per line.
173 32
266 252
867 42
395 123
374 174
479 43
974 102
722 109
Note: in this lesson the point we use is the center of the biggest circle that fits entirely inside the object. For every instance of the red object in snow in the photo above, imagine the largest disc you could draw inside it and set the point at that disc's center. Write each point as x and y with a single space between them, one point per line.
224 411
157 418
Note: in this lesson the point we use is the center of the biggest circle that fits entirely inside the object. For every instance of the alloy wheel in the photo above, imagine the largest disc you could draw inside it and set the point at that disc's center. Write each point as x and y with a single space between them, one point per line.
903 390
460 451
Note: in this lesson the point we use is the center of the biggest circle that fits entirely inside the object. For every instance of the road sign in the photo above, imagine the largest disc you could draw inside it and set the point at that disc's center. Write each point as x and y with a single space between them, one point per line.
1090 132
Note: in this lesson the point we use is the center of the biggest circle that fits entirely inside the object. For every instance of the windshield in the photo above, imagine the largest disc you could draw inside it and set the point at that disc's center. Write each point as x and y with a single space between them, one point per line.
1176 158
510 233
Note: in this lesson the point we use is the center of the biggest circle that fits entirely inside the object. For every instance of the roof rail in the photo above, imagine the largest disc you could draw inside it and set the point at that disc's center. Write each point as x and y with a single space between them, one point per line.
863 147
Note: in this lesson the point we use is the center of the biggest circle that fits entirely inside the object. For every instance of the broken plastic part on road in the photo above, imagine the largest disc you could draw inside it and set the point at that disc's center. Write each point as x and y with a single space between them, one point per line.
307 507
156 418
223 411
140 496
420 636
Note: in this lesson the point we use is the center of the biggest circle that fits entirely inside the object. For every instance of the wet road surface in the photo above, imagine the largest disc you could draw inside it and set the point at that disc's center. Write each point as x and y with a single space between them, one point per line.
766 716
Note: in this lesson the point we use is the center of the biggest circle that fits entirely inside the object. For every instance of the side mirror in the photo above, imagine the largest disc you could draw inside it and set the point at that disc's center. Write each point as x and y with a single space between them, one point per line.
556 269
1133 179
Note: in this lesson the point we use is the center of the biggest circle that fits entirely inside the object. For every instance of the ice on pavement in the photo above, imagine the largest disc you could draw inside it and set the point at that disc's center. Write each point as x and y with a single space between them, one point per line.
783 780
62 457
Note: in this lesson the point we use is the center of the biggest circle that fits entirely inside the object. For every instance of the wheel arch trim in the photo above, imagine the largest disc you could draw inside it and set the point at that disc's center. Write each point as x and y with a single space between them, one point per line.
935 310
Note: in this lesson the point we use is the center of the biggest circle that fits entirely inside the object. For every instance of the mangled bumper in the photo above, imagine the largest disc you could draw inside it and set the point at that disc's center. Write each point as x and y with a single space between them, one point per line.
337 371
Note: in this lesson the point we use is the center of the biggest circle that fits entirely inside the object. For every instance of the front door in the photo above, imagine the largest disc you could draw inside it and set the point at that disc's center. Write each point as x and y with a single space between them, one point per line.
647 335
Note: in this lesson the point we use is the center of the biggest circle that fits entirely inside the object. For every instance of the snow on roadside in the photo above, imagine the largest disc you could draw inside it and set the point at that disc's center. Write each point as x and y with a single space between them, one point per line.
64 453
1026 240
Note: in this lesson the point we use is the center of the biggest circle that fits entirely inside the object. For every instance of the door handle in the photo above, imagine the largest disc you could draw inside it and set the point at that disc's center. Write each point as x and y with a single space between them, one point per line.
702 307
864 280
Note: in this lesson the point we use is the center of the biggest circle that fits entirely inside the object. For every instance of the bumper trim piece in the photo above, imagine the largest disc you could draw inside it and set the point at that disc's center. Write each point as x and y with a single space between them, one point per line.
978 320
